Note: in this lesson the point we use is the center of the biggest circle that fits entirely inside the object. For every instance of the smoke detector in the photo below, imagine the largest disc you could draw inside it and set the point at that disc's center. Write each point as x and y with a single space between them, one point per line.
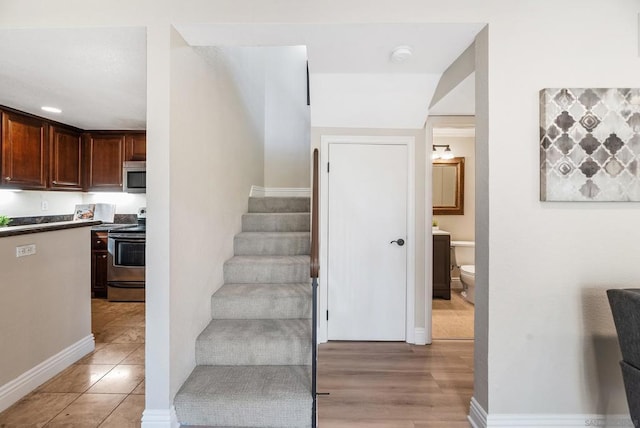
401 54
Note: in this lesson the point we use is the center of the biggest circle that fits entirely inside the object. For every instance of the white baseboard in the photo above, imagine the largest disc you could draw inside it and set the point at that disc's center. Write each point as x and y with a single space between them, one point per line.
478 418
558 421
14 390
290 192
477 415
420 336
160 418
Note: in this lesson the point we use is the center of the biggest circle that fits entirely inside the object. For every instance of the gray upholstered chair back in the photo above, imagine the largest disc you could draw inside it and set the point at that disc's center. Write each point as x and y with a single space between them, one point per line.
625 306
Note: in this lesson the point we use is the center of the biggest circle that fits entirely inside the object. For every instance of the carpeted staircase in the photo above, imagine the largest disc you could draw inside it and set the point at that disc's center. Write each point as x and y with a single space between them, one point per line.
254 358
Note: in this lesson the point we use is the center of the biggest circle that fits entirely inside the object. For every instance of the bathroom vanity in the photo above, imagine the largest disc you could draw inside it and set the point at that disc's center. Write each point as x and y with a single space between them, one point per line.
442 264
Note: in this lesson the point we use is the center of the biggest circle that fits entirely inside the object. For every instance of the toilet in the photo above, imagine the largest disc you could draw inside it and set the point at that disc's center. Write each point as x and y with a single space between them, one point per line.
462 257
468 279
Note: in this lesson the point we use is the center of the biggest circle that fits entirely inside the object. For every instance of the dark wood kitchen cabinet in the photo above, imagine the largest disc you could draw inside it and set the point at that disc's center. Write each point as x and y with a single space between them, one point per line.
65 162
442 266
105 154
135 147
25 150
99 264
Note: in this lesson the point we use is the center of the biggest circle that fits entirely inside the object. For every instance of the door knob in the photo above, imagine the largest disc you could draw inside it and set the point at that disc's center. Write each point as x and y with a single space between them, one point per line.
400 242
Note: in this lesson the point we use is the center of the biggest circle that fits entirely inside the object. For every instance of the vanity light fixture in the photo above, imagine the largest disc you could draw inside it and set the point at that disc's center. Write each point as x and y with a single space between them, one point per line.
446 154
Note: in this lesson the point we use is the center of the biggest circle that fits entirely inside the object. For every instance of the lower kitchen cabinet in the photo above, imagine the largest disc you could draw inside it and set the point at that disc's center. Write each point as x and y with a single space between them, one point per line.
442 266
99 264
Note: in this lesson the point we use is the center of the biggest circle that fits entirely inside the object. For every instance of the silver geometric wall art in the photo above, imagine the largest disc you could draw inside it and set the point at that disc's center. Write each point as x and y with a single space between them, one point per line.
590 144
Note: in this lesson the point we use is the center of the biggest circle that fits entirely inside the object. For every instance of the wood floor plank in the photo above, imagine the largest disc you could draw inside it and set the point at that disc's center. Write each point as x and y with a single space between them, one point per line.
390 384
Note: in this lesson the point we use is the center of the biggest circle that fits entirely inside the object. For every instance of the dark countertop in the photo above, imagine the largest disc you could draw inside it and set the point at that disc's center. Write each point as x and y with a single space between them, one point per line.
106 227
45 227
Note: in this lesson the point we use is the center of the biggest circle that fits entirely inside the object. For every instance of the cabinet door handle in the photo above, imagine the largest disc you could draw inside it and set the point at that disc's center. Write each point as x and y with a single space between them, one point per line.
55 182
104 256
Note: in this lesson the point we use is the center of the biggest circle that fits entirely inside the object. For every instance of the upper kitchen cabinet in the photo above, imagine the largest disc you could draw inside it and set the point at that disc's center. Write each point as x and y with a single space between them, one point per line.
135 147
24 151
65 165
105 154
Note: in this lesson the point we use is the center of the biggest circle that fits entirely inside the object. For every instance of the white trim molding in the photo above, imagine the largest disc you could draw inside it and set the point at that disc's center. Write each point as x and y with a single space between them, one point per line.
558 421
478 418
420 336
450 131
160 418
14 390
477 415
284 192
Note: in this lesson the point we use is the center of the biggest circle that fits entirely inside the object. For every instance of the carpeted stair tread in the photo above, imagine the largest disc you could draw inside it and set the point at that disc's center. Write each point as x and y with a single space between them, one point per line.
246 396
253 358
276 222
279 204
255 342
262 301
271 243
266 269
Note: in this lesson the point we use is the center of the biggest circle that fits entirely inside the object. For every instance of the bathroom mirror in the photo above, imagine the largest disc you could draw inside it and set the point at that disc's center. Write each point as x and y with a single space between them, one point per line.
448 186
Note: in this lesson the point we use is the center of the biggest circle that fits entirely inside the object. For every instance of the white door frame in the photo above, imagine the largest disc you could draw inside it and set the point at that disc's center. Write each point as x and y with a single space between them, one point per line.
408 141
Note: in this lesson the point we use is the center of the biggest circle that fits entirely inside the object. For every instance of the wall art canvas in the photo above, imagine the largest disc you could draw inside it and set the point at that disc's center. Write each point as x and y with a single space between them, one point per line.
590 144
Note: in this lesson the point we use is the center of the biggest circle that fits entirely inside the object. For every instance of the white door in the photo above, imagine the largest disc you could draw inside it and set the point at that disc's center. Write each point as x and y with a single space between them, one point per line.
367 272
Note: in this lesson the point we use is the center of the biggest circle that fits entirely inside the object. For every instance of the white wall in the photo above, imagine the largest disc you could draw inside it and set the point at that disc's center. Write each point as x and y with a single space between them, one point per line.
216 155
393 104
286 121
45 301
551 337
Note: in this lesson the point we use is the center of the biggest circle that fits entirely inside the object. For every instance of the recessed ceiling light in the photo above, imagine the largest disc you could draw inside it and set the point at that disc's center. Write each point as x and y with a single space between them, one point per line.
51 109
401 54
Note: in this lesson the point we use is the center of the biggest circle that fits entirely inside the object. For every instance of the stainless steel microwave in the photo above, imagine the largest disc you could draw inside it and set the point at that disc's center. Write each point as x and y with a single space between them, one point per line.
134 177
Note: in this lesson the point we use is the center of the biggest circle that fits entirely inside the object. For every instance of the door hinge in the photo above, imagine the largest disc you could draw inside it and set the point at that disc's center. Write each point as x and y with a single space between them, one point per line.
327 166
327 315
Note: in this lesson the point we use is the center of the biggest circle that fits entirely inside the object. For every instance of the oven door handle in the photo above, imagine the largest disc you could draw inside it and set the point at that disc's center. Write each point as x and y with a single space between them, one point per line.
127 237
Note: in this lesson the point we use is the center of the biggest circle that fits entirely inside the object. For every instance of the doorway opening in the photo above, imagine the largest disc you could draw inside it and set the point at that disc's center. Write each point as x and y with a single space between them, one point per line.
453 228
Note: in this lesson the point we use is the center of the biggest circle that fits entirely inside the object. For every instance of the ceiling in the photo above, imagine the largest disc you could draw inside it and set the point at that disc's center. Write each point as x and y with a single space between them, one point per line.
97 76
353 82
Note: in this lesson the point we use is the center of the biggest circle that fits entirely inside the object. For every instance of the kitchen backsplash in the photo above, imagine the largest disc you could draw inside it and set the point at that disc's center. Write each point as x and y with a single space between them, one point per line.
37 204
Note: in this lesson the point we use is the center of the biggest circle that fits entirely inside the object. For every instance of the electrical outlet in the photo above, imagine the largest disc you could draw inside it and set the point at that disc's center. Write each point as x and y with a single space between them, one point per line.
45 205
26 250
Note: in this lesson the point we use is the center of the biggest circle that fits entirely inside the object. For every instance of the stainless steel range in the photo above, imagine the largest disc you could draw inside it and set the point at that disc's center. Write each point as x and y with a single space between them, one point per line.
126 262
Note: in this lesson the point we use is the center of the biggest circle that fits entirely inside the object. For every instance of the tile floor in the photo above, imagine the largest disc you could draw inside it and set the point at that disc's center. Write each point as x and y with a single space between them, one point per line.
452 319
104 389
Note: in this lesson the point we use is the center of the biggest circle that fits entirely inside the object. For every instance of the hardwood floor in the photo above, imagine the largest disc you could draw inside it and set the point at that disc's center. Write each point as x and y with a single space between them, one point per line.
395 385
372 384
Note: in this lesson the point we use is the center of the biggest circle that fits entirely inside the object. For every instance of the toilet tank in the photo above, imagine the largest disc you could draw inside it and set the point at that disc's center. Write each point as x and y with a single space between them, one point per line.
464 252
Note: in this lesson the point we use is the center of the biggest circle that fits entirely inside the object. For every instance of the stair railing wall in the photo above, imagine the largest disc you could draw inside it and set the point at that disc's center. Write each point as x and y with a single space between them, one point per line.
315 269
